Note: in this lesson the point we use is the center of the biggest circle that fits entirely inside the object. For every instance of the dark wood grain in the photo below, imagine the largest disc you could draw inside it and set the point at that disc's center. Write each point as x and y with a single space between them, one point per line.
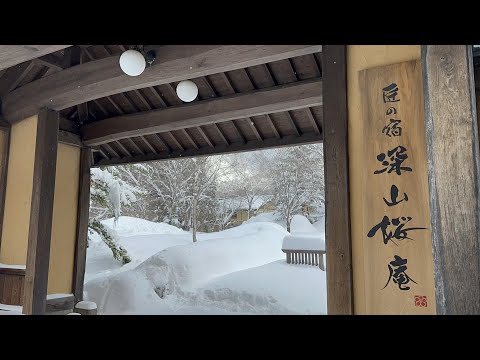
101 78
453 161
41 213
11 55
14 76
82 224
68 138
259 102
11 286
337 208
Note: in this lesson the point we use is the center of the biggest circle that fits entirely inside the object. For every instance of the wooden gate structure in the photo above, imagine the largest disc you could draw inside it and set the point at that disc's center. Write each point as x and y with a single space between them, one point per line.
67 108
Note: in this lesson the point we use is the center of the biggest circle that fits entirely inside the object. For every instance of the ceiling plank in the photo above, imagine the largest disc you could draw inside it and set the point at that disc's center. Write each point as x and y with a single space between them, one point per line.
11 55
136 147
289 140
103 77
259 102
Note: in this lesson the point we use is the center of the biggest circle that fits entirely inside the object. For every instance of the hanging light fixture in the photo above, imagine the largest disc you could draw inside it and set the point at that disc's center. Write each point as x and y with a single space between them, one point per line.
187 91
134 61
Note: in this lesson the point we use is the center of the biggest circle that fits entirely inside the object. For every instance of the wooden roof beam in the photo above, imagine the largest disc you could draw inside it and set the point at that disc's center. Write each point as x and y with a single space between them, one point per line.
259 102
100 78
11 55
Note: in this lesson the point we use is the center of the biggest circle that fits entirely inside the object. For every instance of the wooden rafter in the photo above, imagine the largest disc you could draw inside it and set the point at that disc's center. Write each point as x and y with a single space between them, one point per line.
11 55
175 140
187 135
239 132
220 133
100 78
149 145
249 121
137 148
111 150
272 126
312 120
14 76
292 123
219 149
163 143
259 102
123 148
204 135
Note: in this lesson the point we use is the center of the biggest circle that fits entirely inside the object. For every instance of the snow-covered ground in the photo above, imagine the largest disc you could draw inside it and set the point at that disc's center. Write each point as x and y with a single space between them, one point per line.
237 271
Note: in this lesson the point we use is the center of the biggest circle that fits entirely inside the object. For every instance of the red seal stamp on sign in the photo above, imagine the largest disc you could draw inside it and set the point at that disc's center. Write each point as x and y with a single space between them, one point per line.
420 301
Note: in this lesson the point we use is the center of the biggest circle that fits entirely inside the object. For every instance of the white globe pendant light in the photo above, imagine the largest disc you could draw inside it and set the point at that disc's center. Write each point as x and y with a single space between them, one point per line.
132 62
187 91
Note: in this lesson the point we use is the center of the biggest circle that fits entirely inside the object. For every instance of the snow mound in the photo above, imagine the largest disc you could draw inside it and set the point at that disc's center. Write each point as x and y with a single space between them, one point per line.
300 224
304 236
168 279
269 217
129 226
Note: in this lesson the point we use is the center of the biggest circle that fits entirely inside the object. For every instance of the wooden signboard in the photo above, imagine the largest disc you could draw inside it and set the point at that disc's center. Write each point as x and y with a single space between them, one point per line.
397 241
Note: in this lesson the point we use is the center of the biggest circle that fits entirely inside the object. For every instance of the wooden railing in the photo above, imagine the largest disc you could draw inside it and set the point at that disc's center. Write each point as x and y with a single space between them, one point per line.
308 257
11 286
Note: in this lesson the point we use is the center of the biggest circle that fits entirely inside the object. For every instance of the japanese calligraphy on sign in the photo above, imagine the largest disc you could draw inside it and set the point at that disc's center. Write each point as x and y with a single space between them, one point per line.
396 235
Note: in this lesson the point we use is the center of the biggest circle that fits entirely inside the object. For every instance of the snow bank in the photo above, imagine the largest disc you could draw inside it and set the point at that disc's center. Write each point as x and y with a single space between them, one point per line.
304 236
269 217
128 226
299 289
176 271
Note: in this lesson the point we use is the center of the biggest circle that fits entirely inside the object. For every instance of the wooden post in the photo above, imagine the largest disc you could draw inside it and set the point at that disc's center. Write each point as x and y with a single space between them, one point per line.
337 219
453 166
5 129
82 224
41 213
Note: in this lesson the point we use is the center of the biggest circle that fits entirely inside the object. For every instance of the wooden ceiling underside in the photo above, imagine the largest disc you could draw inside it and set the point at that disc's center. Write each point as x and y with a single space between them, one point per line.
271 104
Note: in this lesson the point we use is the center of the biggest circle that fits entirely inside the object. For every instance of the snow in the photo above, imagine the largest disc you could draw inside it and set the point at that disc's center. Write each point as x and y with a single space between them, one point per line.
304 236
11 308
58 296
241 270
74 314
270 217
86 305
6 266
129 226
304 242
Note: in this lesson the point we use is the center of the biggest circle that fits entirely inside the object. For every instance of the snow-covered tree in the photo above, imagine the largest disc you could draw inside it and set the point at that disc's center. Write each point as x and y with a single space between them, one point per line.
108 193
248 179
297 178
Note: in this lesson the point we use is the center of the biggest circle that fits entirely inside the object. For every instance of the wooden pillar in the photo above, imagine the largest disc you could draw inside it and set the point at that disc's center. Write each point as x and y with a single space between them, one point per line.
4 148
337 219
41 213
453 173
82 224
